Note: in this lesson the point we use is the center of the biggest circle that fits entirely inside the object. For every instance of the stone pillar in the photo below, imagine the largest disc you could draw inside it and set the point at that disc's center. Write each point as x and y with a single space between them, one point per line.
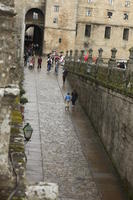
90 56
66 56
82 56
112 62
71 55
130 61
99 59
76 55
129 70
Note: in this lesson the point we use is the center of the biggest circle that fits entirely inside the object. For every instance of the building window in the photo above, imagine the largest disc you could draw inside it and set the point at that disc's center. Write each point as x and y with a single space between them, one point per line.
56 8
35 15
88 12
125 17
76 29
89 1
60 40
88 30
55 20
127 3
111 1
125 34
107 32
109 14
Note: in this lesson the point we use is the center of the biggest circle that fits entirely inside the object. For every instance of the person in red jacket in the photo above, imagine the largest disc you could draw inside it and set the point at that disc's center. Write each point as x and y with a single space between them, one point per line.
39 62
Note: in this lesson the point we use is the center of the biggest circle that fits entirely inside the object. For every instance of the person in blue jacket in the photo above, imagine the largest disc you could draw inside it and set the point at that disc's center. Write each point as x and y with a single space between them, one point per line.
67 101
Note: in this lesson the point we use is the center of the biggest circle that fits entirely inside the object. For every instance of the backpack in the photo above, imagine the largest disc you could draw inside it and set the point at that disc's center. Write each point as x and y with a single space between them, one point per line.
49 62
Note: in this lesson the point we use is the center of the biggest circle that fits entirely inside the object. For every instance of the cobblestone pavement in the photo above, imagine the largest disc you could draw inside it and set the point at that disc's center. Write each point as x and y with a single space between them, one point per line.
60 150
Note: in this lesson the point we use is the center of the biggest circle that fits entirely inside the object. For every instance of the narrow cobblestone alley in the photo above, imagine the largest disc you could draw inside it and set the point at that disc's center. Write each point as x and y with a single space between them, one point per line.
62 150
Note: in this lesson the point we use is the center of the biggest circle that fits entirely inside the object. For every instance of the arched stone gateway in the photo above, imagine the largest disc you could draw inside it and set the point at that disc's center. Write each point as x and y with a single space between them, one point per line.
34 31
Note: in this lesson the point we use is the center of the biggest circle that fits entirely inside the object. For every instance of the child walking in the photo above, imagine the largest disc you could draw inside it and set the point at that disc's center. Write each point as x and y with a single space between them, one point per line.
67 101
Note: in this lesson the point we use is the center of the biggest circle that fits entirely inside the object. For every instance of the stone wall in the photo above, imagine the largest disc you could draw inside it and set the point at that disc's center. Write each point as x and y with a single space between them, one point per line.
110 110
12 164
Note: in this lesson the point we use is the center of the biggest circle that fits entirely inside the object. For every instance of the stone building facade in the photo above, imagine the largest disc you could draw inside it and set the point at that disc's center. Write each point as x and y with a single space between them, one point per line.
80 24
22 9
60 25
106 24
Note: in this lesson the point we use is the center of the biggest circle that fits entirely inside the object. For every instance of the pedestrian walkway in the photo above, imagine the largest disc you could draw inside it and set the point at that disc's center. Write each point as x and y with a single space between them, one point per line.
64 148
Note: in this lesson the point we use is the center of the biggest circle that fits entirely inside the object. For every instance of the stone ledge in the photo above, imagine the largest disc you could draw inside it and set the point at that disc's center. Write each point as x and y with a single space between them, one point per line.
12 90
42 191
6 9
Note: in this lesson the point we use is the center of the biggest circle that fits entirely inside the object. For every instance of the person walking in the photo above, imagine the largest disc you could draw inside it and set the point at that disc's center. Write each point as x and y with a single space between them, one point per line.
25 58
74 98
33 61
67 101
56 67
49 63
65 72
39 62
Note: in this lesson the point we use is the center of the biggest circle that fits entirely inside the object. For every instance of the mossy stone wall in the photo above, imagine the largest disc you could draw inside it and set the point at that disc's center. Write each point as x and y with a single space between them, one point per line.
111 114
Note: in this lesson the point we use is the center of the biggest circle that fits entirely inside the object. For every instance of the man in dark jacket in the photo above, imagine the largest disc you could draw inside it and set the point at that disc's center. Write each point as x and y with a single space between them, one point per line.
65 72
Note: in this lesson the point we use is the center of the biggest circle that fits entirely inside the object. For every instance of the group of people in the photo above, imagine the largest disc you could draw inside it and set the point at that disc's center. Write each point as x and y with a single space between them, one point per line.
51 61
29 56
71 98
54 59
32 62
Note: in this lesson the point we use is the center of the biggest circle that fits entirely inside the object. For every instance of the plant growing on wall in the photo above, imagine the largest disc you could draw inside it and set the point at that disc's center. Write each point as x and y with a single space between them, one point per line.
22 92
23 100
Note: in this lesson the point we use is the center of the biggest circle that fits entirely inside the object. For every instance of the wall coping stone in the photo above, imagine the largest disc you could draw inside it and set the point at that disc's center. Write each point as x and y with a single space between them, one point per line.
12 90
42 191
4 9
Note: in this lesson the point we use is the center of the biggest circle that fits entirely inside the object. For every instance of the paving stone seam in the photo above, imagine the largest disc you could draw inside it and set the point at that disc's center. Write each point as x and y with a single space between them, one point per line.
39 124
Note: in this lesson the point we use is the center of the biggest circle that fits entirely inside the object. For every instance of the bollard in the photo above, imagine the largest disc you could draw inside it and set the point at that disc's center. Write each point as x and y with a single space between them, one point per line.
90 56
76 56
99 59
129 70
112 62
71 55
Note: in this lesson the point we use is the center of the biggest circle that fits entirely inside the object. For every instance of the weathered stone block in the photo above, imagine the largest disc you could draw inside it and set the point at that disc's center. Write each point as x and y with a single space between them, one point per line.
42 191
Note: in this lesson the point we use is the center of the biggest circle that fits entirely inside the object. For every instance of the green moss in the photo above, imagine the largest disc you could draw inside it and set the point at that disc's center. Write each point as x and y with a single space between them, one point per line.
17 147
17 100
15 131
16 117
